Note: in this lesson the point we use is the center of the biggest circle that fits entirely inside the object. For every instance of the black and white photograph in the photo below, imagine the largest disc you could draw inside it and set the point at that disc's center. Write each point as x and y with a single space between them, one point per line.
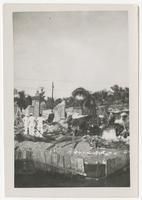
71 91
71 99
74 96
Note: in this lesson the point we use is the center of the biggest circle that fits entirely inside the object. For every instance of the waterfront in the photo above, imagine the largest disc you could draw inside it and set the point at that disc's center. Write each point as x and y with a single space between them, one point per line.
40 179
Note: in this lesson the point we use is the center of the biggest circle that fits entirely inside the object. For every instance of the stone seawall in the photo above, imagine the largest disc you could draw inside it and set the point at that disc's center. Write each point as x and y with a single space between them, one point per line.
69 158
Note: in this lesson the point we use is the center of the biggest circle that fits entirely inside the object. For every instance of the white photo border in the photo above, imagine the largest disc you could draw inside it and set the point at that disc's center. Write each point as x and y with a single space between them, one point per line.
10 191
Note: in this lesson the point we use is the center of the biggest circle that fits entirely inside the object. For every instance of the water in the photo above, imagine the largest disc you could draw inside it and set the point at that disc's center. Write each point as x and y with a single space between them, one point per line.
40 179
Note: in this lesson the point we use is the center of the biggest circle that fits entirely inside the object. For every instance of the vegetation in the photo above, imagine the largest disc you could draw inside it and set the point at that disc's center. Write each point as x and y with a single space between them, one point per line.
80 97
116 95
22 100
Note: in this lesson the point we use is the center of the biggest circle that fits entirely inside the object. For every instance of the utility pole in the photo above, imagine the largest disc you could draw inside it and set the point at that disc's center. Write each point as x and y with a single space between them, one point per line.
39 103
52 95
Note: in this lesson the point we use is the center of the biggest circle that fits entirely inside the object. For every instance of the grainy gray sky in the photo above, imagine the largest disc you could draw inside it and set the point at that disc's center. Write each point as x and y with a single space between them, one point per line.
73 49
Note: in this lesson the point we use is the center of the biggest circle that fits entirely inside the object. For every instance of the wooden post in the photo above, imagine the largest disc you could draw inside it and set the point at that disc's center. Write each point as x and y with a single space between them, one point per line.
52 95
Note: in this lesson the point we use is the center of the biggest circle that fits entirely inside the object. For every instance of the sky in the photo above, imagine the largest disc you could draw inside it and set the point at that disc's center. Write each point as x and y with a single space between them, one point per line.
72 49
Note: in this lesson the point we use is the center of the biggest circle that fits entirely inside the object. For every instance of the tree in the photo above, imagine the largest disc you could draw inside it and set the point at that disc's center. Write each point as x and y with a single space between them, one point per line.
80 93
22 100
121 95
70 101
28 100
49 103
87 101
126 95
40 96
101 97
116 91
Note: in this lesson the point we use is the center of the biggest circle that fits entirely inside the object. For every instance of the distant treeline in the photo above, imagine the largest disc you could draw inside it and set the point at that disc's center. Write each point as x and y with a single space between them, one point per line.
115 95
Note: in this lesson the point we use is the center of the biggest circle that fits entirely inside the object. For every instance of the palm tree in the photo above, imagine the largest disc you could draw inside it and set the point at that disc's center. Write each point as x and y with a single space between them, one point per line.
80 93
87 102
